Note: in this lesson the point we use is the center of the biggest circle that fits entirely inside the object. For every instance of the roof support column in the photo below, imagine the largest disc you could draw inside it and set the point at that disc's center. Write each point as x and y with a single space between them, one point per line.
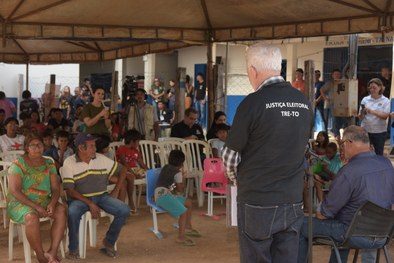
291 50
392 76
210 84
149 70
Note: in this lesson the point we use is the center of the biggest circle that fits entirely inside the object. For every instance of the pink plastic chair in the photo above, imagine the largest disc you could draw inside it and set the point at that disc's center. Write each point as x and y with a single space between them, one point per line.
214 181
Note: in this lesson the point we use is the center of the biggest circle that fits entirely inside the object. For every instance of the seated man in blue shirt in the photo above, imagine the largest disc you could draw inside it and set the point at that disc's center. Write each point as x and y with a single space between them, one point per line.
366 177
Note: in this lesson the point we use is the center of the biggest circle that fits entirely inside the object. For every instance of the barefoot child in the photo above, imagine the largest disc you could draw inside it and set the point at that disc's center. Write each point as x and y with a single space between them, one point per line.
169 188
129 156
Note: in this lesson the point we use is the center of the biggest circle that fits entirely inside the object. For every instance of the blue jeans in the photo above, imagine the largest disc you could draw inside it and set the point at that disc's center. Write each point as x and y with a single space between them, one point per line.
337 231
339 123
269 233
200 107
111 205
368 255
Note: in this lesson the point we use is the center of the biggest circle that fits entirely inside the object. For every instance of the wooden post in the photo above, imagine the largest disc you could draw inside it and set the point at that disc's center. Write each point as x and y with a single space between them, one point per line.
20 90
180 86
309 67
114 92
309 92
210 85
27 76
49 98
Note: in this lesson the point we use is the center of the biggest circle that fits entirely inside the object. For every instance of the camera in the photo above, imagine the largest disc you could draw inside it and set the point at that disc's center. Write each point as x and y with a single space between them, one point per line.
129 88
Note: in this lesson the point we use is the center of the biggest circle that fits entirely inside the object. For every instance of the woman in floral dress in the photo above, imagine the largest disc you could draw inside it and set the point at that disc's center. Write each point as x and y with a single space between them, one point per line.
34 191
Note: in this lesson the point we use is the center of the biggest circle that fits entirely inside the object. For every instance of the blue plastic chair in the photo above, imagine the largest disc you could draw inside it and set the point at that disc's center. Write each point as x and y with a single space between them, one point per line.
151 179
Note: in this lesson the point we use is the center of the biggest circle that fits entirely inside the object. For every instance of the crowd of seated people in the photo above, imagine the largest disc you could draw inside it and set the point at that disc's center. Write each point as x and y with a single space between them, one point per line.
90 116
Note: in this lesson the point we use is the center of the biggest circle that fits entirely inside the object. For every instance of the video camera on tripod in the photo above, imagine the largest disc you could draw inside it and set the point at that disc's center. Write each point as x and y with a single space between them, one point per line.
129 88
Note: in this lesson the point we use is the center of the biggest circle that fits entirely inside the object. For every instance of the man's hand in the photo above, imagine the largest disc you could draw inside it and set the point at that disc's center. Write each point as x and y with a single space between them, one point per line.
114 193
94 210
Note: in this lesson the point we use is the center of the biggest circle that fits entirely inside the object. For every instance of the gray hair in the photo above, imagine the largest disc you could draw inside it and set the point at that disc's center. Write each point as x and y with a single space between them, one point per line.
356 134
264 58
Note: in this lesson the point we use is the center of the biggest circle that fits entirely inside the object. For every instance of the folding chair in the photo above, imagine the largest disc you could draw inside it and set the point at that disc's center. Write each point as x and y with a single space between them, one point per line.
371 221
214 181
151 179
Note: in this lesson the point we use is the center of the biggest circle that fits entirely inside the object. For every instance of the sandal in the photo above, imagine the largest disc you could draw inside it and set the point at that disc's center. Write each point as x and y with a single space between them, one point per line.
134 212
108 249
73 255
109 252
186 242
192 233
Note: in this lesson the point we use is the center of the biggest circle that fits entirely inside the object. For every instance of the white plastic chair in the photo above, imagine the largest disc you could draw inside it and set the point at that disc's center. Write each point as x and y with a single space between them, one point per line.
10 156
26 245
195 152
150 153
113 146
166 146
3 200
4 190
176 139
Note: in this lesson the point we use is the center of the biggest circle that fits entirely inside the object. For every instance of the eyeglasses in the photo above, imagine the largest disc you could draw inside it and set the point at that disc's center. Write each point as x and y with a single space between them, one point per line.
342 144
36 146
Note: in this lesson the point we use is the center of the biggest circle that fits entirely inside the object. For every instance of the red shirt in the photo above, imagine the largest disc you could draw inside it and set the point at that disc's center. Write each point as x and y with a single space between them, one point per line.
299 84
131 155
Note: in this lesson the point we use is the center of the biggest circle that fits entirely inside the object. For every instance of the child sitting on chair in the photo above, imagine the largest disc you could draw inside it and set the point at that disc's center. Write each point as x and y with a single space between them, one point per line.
217 145
129 156
102 146
330 167
168 195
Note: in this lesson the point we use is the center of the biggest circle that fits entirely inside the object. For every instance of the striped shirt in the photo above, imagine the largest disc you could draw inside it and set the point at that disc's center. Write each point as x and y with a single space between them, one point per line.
89 179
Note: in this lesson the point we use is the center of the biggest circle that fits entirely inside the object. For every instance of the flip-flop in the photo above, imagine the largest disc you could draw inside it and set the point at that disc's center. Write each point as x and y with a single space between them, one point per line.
73 255
192 233
186 242
109 252
108 249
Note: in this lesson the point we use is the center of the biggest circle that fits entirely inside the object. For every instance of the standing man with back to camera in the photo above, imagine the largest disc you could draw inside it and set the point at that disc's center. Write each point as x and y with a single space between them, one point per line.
264 155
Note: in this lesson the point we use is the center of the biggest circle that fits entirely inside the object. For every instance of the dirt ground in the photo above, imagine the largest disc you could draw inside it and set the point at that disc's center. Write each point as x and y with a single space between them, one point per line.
137 244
